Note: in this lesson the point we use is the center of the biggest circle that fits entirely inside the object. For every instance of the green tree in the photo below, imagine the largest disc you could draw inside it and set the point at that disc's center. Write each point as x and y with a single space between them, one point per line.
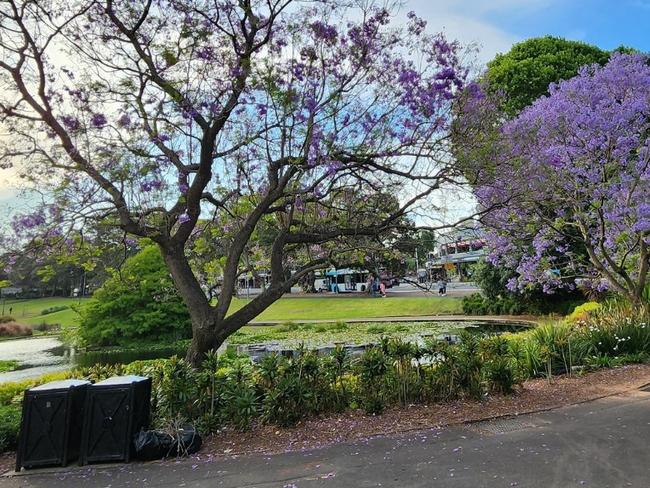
523 74
139 302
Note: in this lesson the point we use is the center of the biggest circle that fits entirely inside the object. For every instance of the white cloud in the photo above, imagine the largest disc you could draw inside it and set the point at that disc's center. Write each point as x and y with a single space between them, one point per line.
490 39
469 20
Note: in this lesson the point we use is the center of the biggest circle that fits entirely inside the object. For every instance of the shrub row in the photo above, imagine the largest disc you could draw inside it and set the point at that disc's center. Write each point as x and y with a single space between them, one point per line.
229 390
57 308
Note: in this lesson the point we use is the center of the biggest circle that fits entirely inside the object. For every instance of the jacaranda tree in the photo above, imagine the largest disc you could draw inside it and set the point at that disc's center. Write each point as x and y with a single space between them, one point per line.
574 173
171 116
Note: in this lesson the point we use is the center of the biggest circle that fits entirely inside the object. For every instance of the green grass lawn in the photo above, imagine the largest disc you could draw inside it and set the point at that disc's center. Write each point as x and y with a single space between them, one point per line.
324 308
286 309
7 365
30 311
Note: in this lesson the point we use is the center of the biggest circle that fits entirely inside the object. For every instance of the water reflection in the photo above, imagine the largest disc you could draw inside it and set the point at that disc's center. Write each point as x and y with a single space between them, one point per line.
43 355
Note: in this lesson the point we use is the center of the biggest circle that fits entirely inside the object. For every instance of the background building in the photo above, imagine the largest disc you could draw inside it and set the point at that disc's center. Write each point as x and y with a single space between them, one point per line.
455 253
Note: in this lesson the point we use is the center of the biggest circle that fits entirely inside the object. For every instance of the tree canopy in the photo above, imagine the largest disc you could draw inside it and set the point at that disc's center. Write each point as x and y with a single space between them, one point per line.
574 173
524 73
164 115
138 302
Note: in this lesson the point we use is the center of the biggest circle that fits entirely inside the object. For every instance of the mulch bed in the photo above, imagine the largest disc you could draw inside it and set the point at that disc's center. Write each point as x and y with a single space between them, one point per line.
534 395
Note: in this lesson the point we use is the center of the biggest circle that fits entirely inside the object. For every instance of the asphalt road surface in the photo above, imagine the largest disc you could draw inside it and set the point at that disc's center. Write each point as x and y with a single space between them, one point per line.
602 444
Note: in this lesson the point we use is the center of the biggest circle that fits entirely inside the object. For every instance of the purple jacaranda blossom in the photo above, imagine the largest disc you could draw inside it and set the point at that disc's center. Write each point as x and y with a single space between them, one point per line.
98 120
29 221
416 25
71 123
124 121
184 217
150 185
574 173
183 184
325 32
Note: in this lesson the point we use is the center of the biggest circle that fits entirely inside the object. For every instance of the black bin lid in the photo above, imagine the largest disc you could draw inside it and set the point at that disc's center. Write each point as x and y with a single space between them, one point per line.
60 385
121 380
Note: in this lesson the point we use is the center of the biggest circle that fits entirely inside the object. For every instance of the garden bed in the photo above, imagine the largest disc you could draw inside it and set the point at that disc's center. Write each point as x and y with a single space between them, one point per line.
533 395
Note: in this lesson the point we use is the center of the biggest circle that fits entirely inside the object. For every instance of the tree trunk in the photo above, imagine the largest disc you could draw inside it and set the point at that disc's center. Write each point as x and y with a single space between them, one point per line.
211 325
309 283
202 315
204 339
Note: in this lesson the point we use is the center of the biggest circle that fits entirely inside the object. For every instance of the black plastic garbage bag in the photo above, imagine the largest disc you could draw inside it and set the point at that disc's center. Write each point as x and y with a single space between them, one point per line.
151 444
188 441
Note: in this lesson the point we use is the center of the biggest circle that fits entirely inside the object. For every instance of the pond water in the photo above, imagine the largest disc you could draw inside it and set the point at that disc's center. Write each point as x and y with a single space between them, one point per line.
41 355
36 356
421 333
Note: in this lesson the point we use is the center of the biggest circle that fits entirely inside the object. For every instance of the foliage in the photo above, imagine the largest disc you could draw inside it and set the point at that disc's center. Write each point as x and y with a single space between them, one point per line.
138 302
231 391
477 304
523 74
372 370
517 304
571 187
46 326
582 312
7 365
492 280
11 393
13 329
57 308
9 427
616 329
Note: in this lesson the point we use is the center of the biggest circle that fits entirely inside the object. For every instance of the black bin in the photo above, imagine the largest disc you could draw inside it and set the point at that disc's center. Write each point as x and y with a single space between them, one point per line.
50 429
115 410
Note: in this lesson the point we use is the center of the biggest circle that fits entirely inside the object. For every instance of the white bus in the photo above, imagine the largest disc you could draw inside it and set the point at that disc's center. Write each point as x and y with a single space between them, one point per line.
345 280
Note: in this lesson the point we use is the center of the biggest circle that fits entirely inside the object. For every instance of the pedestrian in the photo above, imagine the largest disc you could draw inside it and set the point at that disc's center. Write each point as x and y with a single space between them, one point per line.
11 309
441 286
444 287
382 289
375 286
369 283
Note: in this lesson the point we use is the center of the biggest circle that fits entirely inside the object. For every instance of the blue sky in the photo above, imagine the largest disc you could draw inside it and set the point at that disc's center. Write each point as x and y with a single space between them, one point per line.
497 24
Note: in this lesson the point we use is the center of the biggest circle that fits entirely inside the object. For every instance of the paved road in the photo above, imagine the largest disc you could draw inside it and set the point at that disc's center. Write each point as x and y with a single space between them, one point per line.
596 444
404 289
